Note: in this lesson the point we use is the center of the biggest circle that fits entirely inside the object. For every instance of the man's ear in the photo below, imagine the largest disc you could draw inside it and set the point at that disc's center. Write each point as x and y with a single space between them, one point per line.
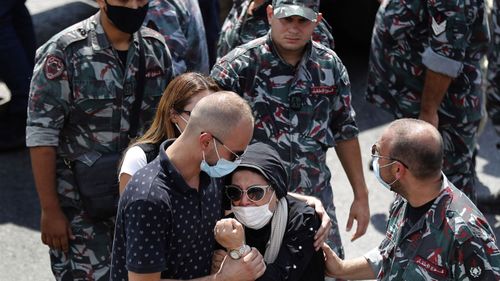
270 12
205 140
319 18
400 170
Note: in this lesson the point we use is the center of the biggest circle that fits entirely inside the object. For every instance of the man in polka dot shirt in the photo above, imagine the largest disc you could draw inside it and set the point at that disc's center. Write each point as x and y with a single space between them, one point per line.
169 208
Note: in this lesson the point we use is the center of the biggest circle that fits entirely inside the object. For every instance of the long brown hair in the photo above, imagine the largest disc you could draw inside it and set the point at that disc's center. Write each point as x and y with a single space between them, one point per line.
176 96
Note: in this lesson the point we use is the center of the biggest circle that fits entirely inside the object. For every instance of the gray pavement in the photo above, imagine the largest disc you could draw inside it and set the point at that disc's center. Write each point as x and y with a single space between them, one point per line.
24 257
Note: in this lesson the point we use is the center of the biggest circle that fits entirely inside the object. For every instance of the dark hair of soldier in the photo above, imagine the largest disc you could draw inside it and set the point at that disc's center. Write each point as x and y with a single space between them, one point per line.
421 149
176 96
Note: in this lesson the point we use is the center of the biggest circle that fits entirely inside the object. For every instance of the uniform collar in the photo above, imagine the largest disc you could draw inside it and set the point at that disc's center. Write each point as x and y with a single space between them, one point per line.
437 214
173 178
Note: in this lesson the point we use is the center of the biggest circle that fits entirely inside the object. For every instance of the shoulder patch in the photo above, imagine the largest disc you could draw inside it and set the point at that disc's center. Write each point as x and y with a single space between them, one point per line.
53 67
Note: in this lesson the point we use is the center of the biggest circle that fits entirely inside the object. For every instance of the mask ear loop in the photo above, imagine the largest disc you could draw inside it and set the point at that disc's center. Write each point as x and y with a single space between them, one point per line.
180 116
216 151
178 127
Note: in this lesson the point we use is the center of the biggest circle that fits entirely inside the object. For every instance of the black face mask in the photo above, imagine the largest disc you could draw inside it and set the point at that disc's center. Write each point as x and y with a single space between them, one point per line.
126 19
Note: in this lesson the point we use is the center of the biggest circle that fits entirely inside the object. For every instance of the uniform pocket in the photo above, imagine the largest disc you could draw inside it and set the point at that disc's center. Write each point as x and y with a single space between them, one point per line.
94 102
314 115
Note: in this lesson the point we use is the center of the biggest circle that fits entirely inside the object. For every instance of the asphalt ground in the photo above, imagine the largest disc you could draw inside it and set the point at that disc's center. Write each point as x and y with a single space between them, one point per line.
24 257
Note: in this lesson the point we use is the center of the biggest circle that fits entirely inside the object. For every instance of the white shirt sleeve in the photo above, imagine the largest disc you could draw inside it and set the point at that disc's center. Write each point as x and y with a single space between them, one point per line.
134 160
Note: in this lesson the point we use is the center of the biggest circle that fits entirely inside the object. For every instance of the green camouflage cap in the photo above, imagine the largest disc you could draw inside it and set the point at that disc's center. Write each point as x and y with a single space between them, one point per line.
305 8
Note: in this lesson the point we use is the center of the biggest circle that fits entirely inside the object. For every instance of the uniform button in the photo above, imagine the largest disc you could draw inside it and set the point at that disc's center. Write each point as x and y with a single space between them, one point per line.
450 214
294 266
83 32
300 247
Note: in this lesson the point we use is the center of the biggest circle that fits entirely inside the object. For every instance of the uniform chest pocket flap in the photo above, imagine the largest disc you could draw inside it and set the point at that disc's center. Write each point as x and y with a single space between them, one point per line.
94 98
314 116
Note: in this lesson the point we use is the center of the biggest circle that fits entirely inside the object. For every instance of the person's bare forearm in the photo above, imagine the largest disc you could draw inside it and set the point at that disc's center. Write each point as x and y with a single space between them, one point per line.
43 163
350 157
435 87
355 269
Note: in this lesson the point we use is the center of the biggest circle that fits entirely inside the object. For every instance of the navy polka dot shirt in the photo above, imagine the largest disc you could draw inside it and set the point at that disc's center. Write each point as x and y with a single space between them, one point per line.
165 226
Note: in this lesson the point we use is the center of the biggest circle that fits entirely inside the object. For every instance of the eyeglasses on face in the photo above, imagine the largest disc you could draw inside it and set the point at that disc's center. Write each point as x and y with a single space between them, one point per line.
376 154
254 193
184 111
236 154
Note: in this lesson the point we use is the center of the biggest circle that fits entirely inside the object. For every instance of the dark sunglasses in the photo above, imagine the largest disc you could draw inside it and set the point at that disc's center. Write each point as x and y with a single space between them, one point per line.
254 193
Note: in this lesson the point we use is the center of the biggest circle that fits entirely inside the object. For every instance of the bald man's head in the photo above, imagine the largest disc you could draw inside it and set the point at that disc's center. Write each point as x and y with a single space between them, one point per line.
219 114
418 144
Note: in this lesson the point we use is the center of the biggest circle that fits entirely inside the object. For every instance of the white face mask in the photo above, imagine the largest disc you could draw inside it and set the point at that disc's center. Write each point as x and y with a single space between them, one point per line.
376 170
254 217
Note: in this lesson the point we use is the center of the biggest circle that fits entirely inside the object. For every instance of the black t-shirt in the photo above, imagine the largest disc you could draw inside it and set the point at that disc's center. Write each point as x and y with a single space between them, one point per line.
165 226
123 56
413 215
297 260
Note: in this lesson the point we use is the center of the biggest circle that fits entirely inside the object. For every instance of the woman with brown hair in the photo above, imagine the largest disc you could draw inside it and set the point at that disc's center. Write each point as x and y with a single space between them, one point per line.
172 115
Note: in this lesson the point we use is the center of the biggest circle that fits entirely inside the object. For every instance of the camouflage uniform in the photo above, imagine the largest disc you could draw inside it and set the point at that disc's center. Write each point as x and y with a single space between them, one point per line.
452 241
240 28
301 111
181 24
493 90
448 38
80 98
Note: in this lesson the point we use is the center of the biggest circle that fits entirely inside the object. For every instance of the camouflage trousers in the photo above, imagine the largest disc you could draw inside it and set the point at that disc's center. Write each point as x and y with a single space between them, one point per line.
334 239
459 146
89 255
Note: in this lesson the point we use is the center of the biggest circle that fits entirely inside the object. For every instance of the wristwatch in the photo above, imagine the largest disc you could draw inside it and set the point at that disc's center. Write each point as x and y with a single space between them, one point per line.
237 253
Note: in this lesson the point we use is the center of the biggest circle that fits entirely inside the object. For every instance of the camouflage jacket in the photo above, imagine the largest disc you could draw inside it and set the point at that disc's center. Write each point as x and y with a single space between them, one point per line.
81 93
448 37
493 89
452 241
240 28
301 111
181 24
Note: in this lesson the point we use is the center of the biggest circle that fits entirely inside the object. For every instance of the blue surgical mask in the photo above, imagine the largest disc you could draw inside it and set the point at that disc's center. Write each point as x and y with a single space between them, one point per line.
222 168
376 170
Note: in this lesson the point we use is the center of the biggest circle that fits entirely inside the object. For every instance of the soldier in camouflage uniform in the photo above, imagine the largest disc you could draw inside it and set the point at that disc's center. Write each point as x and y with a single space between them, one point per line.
434 231
491 203
424 63
300 94
247 20
82 90
181 24
493 89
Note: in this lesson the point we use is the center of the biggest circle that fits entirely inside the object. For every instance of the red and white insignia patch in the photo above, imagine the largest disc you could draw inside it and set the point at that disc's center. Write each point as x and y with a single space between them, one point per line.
53 68
324 90
429 266
155 72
